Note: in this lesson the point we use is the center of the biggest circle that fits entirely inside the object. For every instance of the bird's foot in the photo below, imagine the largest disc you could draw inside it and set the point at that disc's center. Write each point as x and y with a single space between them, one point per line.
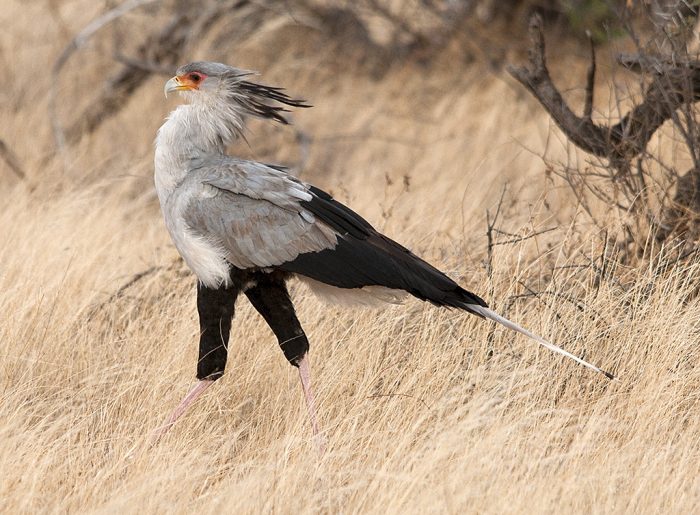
305 376
191 396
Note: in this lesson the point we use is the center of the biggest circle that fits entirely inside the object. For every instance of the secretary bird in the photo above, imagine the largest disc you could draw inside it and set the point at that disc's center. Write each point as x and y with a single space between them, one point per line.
247 227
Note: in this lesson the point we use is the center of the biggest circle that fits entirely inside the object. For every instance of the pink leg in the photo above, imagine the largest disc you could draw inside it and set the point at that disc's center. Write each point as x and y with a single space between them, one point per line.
192 396
305 376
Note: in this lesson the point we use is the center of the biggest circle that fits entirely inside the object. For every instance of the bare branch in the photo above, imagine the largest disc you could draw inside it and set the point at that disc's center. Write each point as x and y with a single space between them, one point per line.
11 159
523 238
164 46
577 303
490 226
121 291
76 43
653 64
144 66
621 142
535 77
397 21
590 80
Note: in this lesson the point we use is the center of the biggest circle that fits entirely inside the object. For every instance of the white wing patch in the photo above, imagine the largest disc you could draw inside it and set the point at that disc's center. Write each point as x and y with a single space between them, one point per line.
310 218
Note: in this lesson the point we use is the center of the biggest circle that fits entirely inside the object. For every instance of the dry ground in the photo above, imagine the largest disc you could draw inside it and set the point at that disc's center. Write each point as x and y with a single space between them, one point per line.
424 410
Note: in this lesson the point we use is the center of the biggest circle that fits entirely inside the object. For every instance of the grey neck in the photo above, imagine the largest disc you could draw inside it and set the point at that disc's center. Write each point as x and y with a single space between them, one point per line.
193 131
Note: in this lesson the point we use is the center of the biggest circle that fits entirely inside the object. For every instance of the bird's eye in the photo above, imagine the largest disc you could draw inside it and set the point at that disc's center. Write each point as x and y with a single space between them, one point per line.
195 77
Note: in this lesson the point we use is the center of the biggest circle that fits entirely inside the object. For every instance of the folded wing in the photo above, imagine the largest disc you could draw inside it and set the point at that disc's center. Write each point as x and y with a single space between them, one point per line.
253 213
365 257
263 217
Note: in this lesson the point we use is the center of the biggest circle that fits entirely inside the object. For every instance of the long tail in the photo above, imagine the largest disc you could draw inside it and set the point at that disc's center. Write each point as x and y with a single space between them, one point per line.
487 313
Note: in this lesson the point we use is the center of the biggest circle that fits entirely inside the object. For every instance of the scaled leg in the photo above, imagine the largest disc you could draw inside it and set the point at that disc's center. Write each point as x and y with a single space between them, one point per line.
215 307
271 298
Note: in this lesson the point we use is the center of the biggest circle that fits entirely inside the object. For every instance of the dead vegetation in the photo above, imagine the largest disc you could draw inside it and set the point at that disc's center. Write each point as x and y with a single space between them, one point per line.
425 410
670 86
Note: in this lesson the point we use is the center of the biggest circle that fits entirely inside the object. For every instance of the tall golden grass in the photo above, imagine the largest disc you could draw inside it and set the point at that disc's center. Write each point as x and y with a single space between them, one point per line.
423 410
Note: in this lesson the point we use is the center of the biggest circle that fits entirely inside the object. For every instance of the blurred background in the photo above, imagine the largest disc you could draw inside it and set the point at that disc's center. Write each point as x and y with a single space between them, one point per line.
412 100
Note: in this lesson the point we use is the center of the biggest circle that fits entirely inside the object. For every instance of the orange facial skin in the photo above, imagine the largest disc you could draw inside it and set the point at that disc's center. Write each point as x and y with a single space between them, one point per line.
188 82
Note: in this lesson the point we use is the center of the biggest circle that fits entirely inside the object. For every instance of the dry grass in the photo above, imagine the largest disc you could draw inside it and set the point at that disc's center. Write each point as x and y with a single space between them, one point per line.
424 410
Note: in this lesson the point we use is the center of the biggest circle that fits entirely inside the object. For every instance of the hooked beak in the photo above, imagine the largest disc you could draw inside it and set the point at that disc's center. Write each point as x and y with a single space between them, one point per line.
176 84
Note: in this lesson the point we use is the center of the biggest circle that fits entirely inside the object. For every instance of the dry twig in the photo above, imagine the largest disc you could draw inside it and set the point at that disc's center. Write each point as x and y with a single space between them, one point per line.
11 160
76 43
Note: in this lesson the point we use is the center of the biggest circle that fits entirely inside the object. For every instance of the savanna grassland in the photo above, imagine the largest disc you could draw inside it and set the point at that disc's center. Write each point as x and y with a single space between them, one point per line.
423 410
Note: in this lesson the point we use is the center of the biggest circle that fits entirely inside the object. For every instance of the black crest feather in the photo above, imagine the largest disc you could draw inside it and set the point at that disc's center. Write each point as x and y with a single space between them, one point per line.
263 101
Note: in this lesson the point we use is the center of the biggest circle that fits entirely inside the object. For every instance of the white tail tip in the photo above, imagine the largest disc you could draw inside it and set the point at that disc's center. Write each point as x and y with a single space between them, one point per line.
492 315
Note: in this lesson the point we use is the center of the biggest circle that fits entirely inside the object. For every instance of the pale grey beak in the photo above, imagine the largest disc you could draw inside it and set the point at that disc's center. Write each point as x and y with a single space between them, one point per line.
172 85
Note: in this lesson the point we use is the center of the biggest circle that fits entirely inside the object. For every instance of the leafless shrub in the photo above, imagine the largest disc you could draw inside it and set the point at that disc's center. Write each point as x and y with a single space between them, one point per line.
626 175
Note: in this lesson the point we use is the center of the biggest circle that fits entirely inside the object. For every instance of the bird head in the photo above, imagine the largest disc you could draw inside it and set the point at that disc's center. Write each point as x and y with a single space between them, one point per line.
209 82
202 77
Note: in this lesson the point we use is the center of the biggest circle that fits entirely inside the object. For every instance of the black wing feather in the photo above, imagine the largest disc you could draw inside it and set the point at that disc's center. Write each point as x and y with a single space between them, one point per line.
339 217
365 257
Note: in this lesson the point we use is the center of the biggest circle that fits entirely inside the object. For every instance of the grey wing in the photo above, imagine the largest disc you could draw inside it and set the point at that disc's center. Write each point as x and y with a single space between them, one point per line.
252 213
252 179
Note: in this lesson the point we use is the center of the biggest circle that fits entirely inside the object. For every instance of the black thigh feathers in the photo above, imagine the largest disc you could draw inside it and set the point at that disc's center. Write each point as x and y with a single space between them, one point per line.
215 307
270 297
268 294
